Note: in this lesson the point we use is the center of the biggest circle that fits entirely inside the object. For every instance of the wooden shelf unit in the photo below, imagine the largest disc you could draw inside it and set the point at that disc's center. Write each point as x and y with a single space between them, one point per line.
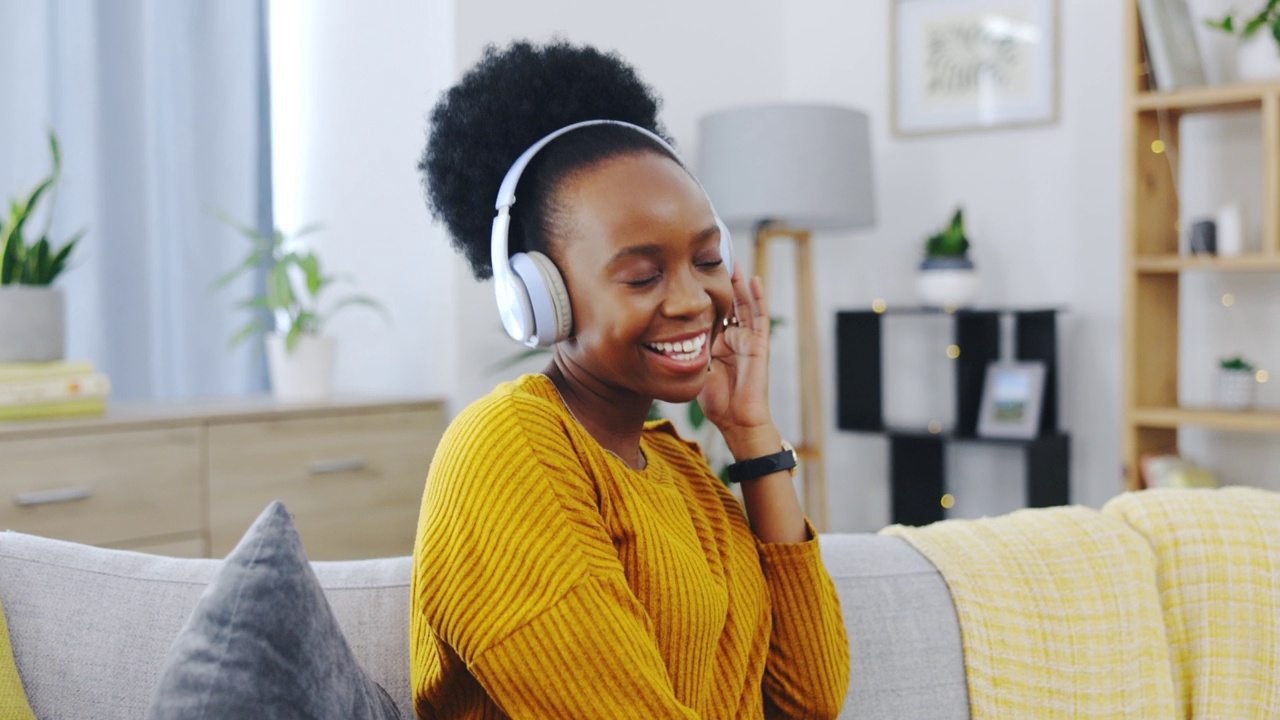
1154 263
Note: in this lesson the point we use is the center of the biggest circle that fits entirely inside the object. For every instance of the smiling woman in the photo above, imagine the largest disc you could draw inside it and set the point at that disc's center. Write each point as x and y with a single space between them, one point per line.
559 530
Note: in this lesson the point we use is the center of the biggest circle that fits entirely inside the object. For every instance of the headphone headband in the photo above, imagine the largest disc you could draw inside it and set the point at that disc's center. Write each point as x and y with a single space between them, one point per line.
507 191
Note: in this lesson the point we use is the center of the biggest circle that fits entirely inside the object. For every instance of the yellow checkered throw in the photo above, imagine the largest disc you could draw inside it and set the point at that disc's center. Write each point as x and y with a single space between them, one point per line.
1059 614
1218 575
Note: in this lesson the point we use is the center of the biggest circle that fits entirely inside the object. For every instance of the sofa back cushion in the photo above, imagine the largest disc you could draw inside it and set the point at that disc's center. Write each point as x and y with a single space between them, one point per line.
904 638
91 627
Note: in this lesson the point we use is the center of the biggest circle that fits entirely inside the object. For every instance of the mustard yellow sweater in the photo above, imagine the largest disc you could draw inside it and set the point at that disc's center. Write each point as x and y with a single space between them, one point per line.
553 581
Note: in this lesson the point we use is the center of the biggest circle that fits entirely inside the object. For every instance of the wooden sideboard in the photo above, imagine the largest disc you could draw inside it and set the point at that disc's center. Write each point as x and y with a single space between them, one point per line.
188 478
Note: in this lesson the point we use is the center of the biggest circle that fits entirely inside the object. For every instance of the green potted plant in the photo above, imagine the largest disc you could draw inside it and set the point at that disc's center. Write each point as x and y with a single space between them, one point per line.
1258 57
947 277
287 311
32 312
1236 383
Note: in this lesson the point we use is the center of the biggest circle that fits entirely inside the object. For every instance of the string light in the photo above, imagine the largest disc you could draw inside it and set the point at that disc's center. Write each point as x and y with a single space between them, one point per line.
1263 376
879 305
1157 146
935 427
948 501
953 351
1228 300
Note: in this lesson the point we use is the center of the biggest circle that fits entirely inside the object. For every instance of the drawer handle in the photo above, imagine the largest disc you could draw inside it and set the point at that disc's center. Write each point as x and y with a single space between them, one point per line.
51 497
329 467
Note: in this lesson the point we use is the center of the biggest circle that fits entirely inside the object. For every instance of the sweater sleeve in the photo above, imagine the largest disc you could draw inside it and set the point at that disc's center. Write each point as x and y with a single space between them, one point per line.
516 572
807 670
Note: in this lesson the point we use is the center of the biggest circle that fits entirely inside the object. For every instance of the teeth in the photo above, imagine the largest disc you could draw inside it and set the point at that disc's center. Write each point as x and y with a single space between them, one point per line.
684 350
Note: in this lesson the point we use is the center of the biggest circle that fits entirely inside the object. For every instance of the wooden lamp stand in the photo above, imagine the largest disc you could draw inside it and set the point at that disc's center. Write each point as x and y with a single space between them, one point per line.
809 449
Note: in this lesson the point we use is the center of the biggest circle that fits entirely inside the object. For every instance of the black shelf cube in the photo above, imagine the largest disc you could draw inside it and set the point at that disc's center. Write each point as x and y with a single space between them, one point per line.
917 456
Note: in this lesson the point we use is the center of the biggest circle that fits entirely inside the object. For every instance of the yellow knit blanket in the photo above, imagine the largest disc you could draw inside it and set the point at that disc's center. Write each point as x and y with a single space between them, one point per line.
1219 583
1166 604
1059 614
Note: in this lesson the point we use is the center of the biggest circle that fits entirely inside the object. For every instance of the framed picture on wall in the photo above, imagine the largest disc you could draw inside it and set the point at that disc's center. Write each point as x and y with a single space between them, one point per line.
973 64
1012 398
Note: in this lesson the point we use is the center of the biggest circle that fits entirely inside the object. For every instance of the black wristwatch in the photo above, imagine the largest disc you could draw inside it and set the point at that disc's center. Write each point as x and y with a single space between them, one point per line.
745 470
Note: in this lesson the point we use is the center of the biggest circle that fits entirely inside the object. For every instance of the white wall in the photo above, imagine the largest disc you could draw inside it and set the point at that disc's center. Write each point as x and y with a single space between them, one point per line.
366 74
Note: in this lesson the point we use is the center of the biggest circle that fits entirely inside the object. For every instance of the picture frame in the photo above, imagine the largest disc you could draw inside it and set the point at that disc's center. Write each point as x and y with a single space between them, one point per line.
963 65
1012 400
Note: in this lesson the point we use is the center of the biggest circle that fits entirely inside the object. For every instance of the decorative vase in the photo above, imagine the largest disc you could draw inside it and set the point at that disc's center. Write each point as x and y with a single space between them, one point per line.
33 323
1235 389
947 282
304 374
1258 58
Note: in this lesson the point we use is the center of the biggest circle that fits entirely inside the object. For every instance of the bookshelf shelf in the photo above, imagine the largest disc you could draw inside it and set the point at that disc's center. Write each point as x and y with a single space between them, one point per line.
1212 98
1242 421
1155 264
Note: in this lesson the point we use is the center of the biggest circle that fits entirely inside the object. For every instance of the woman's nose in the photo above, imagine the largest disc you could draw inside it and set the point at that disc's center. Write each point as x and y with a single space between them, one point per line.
686 296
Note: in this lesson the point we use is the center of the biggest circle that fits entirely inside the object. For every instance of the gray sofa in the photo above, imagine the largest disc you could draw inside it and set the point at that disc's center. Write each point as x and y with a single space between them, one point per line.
90 627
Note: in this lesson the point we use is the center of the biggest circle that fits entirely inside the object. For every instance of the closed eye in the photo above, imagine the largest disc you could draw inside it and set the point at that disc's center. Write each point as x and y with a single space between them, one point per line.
643 282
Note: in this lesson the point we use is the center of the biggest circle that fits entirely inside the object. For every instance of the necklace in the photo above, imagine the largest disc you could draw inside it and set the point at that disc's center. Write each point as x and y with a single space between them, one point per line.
644 459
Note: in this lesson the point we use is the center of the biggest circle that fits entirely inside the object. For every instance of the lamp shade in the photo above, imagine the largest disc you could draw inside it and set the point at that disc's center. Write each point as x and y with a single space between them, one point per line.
806 166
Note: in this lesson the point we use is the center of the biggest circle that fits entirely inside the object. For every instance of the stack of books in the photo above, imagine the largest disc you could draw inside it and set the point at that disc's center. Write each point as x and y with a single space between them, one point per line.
51 389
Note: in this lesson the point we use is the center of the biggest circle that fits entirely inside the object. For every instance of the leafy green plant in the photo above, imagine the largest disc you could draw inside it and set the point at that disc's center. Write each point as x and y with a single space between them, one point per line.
294 306
1236 363
39 262
951 242
1247 26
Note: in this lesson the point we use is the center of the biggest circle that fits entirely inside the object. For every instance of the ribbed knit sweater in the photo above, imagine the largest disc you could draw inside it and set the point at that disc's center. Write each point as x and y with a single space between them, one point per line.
553 581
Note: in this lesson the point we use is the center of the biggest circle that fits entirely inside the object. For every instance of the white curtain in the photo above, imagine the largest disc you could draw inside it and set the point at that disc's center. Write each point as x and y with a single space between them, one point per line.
162 110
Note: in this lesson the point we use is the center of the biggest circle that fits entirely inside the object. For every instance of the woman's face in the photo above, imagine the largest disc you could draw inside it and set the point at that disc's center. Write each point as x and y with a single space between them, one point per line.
638 246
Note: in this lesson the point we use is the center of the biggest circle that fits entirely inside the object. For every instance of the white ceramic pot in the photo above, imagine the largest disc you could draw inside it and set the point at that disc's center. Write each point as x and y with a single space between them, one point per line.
304 374
1235 389
947 283
33 323
1258 58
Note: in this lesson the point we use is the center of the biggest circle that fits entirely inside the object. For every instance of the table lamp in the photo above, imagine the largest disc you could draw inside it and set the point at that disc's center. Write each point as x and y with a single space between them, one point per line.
783 171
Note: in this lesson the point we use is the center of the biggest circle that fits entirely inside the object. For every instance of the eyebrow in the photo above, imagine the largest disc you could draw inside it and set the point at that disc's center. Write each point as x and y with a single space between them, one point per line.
652 249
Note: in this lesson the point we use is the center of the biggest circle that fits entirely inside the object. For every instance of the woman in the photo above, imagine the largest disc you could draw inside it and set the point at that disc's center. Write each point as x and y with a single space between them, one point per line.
572 559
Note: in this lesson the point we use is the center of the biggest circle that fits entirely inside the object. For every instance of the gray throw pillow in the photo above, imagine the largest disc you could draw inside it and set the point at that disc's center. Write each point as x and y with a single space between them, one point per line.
262 642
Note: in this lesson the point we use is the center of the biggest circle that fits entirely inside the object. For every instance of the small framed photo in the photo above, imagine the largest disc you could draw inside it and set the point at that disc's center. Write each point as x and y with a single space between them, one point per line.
1012 397
973 64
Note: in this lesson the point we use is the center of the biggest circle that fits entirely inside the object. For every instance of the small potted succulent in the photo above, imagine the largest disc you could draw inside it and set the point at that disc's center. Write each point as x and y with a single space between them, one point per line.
287 312
33 313
947 277
1258 57
1237 381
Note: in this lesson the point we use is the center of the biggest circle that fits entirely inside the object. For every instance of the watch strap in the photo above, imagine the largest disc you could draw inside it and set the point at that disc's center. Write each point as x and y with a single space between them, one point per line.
753 468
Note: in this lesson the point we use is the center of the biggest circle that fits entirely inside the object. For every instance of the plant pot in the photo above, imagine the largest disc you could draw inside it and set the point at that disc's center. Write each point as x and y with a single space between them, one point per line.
947 283
33 323
304 374
1258 58
1235 389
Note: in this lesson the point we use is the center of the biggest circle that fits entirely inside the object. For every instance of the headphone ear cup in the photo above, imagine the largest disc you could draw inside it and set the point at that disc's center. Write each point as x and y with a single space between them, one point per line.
552 312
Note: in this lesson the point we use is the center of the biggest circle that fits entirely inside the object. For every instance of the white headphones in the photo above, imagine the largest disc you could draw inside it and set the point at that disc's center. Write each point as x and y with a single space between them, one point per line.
532 297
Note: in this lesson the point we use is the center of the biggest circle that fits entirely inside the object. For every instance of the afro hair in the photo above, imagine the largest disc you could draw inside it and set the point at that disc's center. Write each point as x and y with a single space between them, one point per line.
512 98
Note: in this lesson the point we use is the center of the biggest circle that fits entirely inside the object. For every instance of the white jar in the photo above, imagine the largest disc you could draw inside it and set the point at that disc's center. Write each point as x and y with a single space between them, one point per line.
1235 389
947 283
